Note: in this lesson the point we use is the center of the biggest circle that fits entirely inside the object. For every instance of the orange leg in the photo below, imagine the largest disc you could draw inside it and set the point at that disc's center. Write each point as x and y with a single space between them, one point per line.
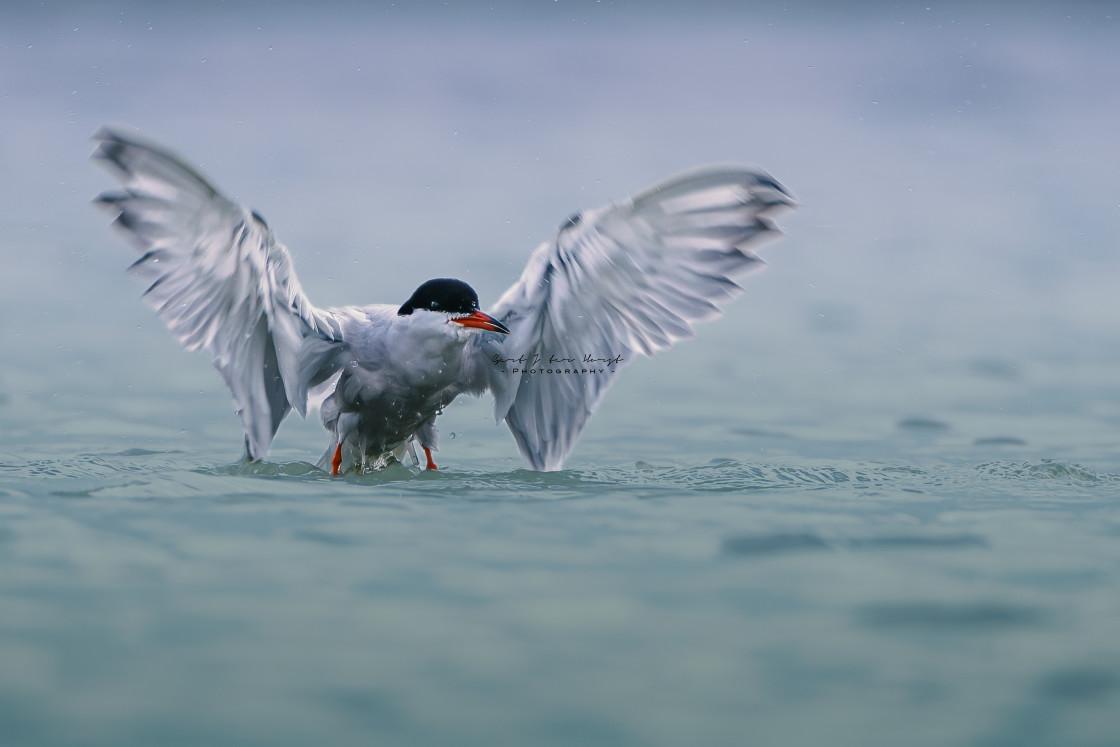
336 462
428 453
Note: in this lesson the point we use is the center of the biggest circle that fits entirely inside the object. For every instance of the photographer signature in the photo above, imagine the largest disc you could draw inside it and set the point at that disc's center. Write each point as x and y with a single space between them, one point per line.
535 362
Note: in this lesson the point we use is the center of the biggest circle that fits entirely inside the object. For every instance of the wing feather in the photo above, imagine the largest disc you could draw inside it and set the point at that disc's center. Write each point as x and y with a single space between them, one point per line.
220 281
621 280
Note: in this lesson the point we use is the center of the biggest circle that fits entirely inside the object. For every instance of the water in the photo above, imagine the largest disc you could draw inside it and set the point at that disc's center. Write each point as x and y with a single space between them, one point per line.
875 504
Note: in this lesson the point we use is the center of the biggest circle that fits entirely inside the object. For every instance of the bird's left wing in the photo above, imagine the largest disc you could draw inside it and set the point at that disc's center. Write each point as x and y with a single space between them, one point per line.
220 281
625 279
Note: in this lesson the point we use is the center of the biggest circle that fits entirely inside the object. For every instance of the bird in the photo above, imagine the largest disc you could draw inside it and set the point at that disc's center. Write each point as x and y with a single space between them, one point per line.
614 283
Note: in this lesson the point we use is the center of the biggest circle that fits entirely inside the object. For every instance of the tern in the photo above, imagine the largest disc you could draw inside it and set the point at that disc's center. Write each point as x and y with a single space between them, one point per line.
625 279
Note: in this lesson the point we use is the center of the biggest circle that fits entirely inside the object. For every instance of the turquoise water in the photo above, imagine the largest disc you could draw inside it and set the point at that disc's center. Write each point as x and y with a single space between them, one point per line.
877 503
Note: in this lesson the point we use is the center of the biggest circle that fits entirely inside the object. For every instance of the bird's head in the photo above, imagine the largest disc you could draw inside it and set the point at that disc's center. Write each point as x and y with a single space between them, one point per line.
453 298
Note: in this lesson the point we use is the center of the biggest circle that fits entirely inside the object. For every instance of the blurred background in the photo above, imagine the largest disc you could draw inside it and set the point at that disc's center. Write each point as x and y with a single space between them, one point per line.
954 163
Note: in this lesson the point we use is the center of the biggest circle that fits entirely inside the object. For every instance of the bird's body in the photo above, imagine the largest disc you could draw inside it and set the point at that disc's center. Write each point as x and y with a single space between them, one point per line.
396 374
621 280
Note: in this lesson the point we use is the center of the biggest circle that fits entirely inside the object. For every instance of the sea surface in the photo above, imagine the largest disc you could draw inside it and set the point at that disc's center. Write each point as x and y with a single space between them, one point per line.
876 503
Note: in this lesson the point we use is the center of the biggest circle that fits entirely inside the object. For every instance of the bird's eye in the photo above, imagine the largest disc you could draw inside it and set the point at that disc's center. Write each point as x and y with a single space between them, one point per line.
433 304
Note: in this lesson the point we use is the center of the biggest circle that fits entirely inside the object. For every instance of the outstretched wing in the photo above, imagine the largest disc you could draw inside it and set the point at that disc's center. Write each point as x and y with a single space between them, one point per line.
220 281
625 279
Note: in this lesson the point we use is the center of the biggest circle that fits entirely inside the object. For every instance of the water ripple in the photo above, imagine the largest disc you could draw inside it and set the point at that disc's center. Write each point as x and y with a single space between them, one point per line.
946 616
1083 685
84 475
759 545
773 544
1046 469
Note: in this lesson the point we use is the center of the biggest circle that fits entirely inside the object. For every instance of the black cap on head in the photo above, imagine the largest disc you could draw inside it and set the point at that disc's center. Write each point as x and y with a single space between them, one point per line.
442 294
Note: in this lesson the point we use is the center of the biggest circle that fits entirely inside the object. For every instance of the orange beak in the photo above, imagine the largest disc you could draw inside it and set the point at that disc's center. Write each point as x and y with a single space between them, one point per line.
482 321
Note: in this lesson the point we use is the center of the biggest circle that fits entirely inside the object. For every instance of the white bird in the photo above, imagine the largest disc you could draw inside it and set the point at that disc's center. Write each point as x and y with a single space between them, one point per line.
623 279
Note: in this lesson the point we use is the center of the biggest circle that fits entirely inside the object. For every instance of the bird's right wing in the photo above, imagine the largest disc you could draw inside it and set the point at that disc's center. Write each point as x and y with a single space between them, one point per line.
625 279
220 281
